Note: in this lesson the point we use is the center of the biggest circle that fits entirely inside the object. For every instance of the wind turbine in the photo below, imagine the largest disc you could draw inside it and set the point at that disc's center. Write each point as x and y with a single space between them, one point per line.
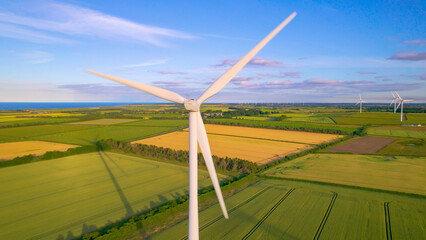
394 102
197 131
360 101
401 102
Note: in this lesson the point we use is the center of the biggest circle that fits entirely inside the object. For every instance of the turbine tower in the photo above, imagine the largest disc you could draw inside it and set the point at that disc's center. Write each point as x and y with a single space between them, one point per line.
197 131
394 102
360 101
401 102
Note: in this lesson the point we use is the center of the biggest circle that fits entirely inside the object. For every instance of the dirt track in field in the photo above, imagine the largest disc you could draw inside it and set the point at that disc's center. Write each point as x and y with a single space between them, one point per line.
369 144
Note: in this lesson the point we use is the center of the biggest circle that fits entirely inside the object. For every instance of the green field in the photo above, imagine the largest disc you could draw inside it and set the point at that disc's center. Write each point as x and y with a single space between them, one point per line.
402 174
105 121
379 118
281 209
82 134
405 147
282 124
397 133
67 196
311 119
33 121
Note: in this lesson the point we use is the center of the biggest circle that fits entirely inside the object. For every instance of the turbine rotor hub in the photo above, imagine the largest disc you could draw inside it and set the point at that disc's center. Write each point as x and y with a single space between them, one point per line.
191 105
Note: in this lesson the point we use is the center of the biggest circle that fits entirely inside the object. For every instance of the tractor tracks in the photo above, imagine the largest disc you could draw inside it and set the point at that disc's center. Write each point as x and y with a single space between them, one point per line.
387 221
267 215
324 219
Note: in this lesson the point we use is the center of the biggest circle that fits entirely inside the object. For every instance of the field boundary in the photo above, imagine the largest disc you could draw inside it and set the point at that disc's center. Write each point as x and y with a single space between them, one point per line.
231 210
346 186
158 134
387 221
255 227
326 215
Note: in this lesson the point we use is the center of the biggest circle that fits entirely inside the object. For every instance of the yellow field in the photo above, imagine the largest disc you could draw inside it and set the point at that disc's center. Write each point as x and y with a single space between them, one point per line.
15 149
260 151
280 135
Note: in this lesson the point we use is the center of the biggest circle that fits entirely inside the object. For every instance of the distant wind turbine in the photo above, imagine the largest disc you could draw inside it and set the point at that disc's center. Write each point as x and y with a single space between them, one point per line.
197 131
360 101
394 100
401 102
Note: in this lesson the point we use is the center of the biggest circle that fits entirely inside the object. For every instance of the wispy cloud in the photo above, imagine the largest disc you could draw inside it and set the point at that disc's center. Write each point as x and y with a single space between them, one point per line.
415 76
281 75
74 20
256 62
366 73
17 32
171 72
409 56
417 41
146 64
38 57
226 37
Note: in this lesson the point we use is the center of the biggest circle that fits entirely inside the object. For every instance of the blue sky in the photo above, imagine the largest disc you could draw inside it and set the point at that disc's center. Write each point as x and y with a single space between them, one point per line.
331 52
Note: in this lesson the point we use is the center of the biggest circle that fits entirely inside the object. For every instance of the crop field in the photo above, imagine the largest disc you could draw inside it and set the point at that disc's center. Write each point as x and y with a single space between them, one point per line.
260 151
369 144
399 173
271 134
105 121
65 197
17 149
13 119
311 119
7 122
364 118
281 209
278 124
413 146
83 134
418 118
397 133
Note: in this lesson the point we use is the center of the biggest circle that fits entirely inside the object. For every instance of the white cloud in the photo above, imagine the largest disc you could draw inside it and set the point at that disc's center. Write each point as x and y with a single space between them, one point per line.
38 57
147 64
74 20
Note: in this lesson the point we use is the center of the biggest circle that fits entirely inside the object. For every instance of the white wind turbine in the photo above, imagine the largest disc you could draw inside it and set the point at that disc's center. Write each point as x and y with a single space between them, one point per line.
360 101
394 100
197 131
401 102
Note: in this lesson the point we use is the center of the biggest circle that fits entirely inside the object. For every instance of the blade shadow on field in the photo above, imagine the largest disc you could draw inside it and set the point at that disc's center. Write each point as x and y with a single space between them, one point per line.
126 204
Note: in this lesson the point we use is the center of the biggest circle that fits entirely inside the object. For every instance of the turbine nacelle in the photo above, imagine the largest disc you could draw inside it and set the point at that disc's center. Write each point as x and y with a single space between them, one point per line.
192 105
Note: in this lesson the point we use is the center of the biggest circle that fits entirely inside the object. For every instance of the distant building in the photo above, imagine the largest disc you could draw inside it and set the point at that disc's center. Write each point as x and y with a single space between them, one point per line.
212 115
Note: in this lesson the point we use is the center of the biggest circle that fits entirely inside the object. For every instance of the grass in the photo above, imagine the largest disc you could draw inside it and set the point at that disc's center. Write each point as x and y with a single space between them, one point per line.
397 133
7 122
402 174
405 147
281 209
68 196
17 149
311 119
34 131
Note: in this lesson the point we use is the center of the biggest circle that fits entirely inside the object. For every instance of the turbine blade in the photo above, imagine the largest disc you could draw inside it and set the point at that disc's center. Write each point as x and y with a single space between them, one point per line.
230 74
156 91
392 102
205 149
408 100
393 95
398 95
398 105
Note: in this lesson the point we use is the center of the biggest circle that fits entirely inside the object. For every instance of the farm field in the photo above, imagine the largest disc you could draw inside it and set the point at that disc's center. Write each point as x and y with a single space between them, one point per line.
405 146
104 121
17 149
260 151
368 144
272 134
64 197
376 118
7 122
282 209
399 173
311 119
300 126
83 134
397 133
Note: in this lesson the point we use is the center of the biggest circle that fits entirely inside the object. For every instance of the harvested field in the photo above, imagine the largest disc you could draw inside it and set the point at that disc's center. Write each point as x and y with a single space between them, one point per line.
369 144
11 150
401 173
272 134
256 150
105 121
280 209
65 197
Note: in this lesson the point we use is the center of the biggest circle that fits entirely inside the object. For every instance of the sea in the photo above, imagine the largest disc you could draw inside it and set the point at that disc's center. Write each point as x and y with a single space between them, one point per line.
53 105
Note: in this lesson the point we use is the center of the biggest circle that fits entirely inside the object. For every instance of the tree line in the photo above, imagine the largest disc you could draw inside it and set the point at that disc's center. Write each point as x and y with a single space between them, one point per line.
227 164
